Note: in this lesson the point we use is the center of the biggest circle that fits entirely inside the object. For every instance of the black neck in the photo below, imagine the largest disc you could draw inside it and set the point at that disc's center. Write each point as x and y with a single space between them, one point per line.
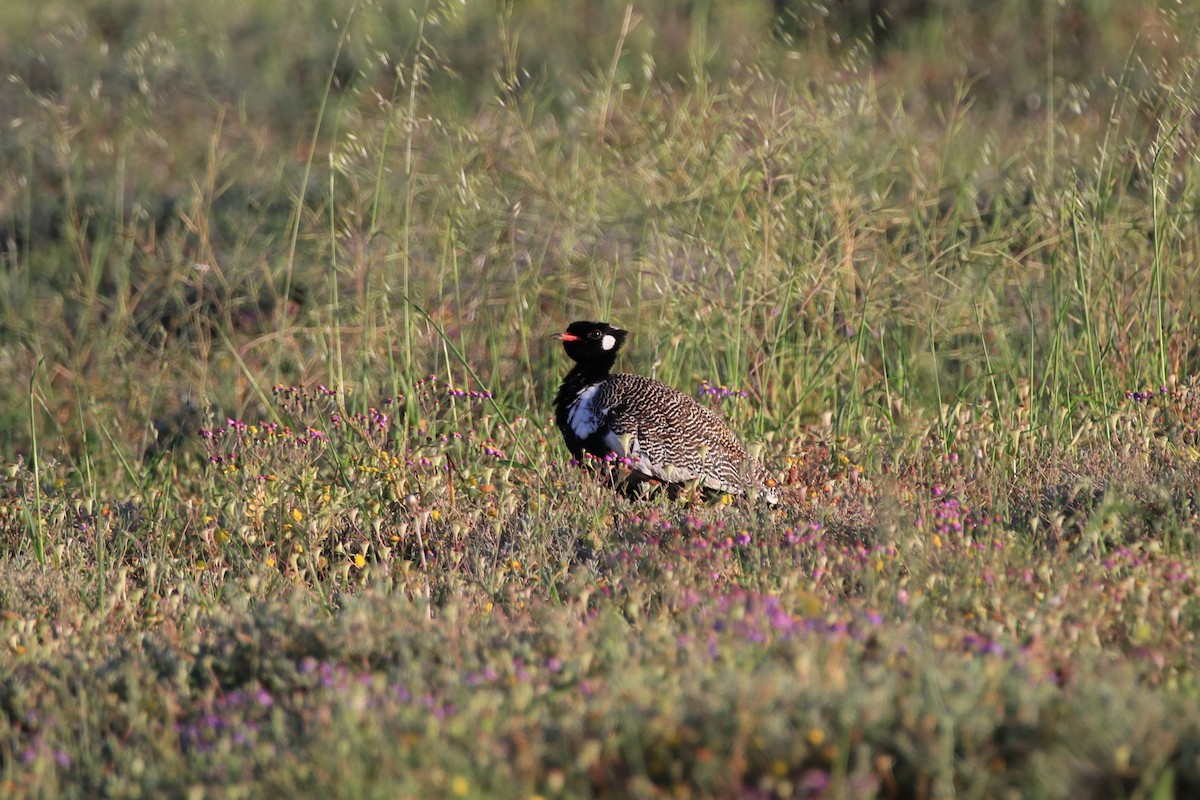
583 375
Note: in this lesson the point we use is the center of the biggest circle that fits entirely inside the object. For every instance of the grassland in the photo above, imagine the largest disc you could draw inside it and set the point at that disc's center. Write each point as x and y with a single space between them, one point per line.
284 512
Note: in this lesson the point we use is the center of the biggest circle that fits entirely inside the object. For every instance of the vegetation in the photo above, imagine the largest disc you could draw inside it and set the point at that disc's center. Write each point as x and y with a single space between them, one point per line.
284 510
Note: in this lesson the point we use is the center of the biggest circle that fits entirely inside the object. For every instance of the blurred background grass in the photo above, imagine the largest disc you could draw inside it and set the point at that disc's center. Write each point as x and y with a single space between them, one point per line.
855 207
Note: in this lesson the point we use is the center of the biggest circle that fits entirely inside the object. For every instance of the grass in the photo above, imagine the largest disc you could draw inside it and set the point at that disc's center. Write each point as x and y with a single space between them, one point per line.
284 510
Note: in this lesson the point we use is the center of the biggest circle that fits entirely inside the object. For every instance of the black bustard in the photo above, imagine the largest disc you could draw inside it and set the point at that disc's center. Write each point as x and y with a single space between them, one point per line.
661 433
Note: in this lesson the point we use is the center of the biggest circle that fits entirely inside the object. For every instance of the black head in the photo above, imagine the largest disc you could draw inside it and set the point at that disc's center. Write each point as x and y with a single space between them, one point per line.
592 342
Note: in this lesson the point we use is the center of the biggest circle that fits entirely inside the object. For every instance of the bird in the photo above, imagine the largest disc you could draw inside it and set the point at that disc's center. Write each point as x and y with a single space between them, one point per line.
661 433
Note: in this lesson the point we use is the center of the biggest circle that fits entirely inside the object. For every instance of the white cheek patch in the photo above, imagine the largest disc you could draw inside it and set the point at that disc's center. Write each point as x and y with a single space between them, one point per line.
608 342
582 417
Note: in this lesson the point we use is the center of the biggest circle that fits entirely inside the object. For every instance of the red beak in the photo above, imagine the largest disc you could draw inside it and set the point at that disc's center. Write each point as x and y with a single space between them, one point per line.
565 337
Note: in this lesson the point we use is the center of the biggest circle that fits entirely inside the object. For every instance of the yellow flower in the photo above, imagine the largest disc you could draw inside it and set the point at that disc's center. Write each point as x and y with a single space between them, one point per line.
297 515
435 515
360 560
460 786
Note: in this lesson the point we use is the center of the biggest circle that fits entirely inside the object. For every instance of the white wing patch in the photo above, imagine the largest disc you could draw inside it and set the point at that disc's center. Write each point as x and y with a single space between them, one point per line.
583 418
623 446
